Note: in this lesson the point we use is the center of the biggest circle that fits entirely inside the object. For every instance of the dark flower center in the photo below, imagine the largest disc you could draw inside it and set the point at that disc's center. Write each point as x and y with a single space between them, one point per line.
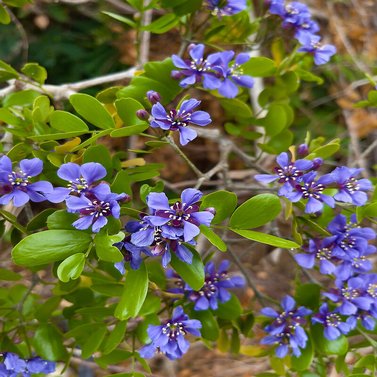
324 254
311 190
98 208
288 173
173 329
332 319
352 185
178 119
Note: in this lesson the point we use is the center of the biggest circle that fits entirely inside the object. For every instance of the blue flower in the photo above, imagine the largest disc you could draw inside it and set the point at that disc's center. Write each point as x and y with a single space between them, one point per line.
231 75
197 70
226 7
80 180
169 338
95 207
13 366
215 288
351 294
180 119
286 330
288 173
311 44
15 183
332 323
131 253
180 219
312 190
351 190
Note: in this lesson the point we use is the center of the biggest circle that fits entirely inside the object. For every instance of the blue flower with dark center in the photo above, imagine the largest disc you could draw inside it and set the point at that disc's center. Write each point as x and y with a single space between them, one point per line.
80 180
231 74
169 338
197 70
333 325
351 294
286 331
180 119
215 288
182 219
16 185
312 190
288 173
95 207
351 190
226 7
312 45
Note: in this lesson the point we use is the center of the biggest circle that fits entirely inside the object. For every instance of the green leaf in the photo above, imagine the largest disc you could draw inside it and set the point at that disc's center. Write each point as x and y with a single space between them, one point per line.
35 72
9 275
92 110
162 24
22 98
48 343
120 18
40 220
213 237
65 121
93 342
130 130
308 295
210 328
61 220
259 67
256 212
12 219
56 136
105 249
71 267
267 239
4 16
328 347
325 151
192 274
230 309
50 246
304 361
7 72
237 108
115 338
224 202
99 153
44 312
126 109
275 121
134 293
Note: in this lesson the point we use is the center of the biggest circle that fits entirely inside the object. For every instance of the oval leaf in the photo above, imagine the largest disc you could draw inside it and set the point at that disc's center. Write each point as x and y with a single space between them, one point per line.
71 267
65 121
267 239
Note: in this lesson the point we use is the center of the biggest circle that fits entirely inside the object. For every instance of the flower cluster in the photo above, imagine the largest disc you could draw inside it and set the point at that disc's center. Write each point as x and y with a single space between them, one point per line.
221 70
13 366
297 16
166 229
300 181
169 338
225 7
180 119
286 331
215 288
92 202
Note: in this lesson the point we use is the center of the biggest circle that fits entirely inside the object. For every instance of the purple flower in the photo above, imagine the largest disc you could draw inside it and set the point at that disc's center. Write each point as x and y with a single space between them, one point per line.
95 207
131 253
311 44
197 70
287 173
38 365
351 294
180 219
226 7
321 250
215 288
15 184
312 190
351 190
332 323
13 366
80 180
180 119
231 74
286 330
169 338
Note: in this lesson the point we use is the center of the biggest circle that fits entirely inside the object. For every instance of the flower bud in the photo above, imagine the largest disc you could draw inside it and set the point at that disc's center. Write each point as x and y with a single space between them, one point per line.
317 163
303 150
211 210
153 97
142 114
